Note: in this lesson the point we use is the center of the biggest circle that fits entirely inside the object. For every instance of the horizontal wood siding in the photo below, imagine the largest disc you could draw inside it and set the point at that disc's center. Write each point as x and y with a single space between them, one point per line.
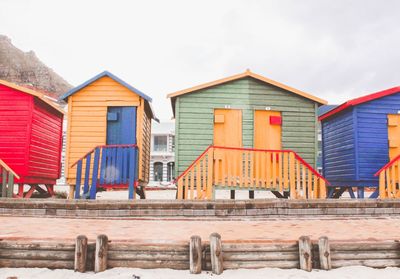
339 147
87 117
15 112
194 117
45 143
372 133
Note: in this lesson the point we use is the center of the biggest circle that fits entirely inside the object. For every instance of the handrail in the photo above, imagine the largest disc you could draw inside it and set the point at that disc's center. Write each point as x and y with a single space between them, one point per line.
102 146
388 165
6 167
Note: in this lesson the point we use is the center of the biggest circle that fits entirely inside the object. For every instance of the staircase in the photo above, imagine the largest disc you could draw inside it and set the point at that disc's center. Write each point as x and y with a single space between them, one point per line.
7 177
283 172
106 166
389 179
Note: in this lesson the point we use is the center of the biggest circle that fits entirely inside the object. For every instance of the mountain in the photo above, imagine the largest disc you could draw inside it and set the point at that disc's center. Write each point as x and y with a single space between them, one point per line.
25 68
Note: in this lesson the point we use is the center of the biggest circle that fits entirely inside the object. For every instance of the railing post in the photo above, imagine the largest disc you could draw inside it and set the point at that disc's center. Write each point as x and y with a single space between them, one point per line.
292 176
132 172
322 188
10 189
78 180
382 185
210 173
93 189
4 183
87 174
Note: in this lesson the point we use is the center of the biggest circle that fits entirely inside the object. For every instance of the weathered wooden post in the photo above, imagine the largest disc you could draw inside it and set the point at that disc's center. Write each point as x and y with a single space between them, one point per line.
10 188
305 253
324 253
80 253
216 253
195 250
100 257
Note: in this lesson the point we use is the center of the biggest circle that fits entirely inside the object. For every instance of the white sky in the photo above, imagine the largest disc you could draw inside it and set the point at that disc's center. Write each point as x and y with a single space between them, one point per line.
336 49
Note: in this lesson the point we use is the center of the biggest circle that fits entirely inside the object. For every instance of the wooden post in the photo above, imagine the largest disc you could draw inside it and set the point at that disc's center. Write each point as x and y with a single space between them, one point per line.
305 253
80 253
100 260
4 184
216 253
195 254
324 253
10 189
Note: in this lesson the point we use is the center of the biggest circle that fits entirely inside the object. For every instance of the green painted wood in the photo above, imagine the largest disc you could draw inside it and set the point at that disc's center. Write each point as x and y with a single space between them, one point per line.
10 188
194 118
4 183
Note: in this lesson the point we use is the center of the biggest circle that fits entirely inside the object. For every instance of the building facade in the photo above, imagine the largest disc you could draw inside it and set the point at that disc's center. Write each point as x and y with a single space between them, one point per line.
162 156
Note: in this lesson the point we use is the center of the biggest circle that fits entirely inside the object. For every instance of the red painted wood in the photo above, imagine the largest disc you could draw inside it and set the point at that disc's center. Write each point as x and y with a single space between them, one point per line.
360 100
275 120
30 137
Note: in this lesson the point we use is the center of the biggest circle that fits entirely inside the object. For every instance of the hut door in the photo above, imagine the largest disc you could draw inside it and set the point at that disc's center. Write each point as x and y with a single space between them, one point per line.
228 127
121 125
267 130
394 135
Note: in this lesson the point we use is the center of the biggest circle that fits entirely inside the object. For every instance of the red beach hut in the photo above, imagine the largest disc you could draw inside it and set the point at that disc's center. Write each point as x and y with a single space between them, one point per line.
30 137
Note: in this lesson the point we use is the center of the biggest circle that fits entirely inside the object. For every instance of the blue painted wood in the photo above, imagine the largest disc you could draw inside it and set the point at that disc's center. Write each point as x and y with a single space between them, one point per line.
119 166
87 174
367 123
375 194
351 192
125 166
360 192
78 179
103 165
93 189
122 128
132 172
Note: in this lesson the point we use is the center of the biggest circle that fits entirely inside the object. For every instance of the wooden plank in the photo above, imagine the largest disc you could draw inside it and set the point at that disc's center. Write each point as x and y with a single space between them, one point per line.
210 176
274 170
324 253
246 168
375 263
10 182
80 253
280 171
305 253
250 247
285 171
382 185
388 184
261 256
180 265
365 255
101 253
268 170
180 189
257 169
149 247
52 246
292 176
366 246
260 264
148 256
36 254
4 183
195 253
216 254
17 263
309 184
192 173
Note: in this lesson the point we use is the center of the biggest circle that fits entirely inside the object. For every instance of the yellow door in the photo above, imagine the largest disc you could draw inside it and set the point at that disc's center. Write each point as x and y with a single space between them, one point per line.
227 133
228 127
394 135
267 130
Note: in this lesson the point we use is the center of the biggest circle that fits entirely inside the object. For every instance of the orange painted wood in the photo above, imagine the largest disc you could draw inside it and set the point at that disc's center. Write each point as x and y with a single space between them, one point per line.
229 132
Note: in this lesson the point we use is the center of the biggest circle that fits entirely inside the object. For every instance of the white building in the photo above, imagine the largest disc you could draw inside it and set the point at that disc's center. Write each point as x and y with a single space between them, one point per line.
162 155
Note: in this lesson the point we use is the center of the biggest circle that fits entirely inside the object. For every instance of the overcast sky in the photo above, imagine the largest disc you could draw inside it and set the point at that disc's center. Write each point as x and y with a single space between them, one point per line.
332 49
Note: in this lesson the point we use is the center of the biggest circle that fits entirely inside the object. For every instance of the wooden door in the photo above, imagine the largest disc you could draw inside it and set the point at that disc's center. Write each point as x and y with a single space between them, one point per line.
121 125
227 133
267 130
228 127
394 135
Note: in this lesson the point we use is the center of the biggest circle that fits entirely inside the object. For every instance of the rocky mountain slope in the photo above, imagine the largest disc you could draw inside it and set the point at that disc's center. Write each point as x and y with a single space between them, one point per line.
25 68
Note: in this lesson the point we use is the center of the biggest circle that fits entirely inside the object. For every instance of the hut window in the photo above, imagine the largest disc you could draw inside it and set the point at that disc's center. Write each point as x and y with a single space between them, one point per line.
160 143
170 171
158 171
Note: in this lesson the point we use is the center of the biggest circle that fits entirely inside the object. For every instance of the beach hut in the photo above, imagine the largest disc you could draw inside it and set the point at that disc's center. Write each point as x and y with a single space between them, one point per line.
108 137
30 138
245 132
358 138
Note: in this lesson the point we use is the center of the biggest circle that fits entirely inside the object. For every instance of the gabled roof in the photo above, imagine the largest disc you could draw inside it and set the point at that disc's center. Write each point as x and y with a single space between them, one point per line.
34 93
247 73
360 100
110 75
116 79
325 108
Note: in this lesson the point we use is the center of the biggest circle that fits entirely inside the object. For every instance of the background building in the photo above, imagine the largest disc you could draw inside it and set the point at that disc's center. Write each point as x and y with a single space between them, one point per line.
162 156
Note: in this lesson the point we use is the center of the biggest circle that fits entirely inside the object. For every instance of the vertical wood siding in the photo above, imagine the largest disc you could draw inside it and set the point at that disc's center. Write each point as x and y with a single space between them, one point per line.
14 128
338 139
145 151
45 144
87 114
194 118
